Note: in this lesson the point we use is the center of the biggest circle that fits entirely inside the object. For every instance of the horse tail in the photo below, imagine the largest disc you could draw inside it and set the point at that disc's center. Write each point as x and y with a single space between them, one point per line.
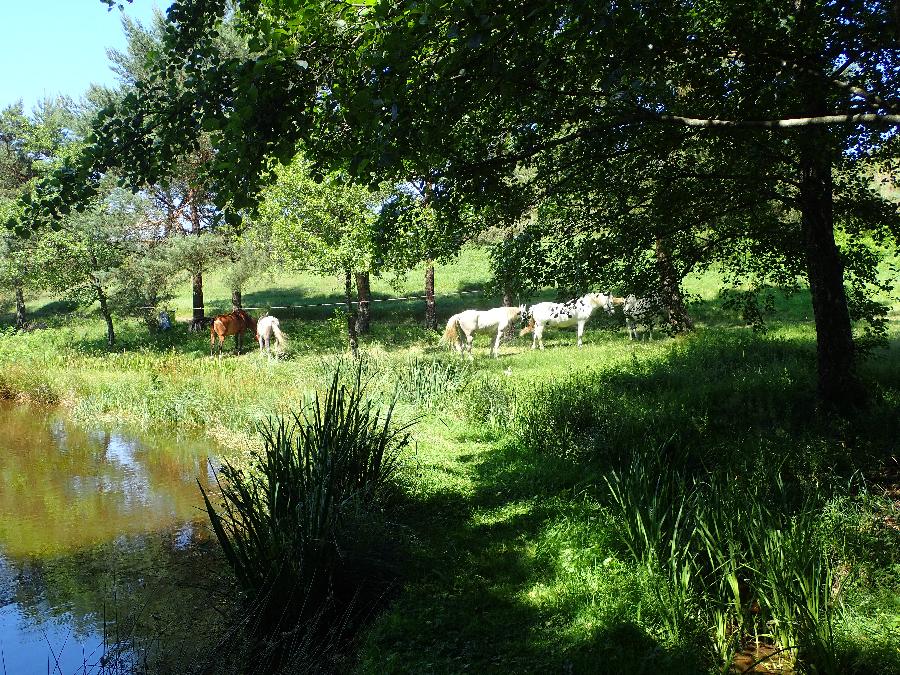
529 328
450 332
279 336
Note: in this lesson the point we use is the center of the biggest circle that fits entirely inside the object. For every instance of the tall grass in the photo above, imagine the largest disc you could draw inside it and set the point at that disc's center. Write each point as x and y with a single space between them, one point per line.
756 563
283 521
427 382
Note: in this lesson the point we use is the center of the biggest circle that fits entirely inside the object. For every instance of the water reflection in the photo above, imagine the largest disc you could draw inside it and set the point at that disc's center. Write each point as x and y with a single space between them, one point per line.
103 542
62 487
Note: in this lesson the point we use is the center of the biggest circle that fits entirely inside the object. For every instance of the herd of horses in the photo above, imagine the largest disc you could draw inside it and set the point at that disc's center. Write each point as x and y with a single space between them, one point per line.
462 327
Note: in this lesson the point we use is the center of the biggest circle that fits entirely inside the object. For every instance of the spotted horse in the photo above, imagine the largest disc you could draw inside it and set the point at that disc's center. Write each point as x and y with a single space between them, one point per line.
563 314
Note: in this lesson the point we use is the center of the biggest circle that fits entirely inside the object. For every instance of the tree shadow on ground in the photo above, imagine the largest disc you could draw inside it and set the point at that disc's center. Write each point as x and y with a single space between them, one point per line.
527 573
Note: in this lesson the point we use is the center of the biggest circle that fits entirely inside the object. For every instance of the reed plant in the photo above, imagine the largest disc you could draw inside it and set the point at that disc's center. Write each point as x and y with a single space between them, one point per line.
426 382
282 519
753 563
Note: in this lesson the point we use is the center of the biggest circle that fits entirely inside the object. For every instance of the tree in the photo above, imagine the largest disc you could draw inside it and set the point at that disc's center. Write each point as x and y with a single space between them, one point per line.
29 146
409 231
322 226
483 89
180 193
246 258
81 260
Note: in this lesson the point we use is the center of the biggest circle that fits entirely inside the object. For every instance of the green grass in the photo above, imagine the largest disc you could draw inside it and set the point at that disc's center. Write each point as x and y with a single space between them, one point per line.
517 558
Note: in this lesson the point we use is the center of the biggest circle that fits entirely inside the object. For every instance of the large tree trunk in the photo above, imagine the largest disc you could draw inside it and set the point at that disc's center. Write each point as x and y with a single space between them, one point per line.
198 319
430 309
236 299
364 295
351 318
838 386
20 307
670 290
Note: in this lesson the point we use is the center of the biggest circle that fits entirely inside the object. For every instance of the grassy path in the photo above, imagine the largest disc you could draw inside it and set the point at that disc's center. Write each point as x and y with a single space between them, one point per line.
517 569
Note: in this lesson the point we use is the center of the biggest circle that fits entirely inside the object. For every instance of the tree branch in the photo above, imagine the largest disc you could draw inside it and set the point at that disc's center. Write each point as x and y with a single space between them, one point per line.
785 123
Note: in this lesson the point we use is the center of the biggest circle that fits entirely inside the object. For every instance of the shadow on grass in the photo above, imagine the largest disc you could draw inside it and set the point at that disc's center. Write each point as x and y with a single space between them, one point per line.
526 572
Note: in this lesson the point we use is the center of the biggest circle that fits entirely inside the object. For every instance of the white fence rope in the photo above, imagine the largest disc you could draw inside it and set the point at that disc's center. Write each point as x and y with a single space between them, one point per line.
333 304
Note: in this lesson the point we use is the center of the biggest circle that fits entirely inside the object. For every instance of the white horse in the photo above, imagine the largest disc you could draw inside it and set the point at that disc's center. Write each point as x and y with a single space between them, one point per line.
264 329
472 321
563 314
641 310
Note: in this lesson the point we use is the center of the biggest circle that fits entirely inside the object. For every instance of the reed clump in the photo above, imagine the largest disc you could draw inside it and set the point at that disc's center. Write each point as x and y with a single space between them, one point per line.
294 523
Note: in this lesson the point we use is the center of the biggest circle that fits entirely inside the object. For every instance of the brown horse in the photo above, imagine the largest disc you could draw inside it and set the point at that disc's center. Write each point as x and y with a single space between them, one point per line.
237 323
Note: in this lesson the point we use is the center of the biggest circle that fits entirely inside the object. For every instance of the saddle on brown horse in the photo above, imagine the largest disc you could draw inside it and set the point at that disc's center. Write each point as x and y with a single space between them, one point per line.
236 323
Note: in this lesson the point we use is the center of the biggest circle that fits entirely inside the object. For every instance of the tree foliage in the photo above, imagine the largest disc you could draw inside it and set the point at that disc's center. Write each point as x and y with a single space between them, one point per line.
320 225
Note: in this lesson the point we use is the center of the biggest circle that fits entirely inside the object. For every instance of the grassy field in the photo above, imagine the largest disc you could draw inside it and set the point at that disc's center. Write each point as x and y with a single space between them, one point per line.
539 529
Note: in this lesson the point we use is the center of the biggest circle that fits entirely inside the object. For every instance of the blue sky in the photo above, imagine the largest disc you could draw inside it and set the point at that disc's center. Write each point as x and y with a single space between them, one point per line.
50 47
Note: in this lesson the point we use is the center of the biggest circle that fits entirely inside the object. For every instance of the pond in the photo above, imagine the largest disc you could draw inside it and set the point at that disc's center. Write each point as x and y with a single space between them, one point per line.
106 563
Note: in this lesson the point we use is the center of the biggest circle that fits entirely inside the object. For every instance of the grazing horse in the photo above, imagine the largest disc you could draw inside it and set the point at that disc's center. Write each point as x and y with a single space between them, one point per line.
641 310
472 321
264 329
563 314
236 323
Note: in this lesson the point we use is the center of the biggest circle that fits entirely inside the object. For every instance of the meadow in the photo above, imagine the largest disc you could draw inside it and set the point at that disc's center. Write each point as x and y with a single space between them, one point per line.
678 505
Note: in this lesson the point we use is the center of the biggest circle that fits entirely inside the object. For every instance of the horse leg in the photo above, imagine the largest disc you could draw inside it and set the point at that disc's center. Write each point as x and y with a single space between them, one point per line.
580 331
496 350
470 340
539 335
458 343
632 331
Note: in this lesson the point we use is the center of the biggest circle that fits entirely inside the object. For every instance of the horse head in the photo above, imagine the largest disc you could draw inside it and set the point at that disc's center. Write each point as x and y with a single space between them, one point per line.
608 304
246 318
604 300
524 314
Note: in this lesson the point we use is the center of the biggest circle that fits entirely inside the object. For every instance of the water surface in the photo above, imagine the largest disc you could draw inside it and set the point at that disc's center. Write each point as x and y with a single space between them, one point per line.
104 548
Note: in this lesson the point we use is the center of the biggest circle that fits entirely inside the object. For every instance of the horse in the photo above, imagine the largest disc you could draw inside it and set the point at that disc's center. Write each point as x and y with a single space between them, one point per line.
264 329
563 314
641 310
472 321
236 323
